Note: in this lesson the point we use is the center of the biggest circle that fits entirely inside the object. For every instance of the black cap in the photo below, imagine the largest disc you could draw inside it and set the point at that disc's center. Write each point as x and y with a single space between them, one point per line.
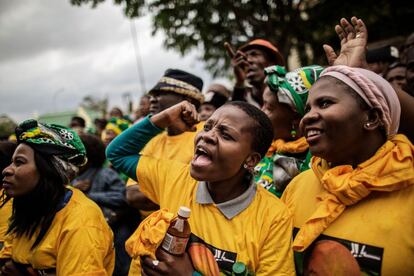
180 82
385 54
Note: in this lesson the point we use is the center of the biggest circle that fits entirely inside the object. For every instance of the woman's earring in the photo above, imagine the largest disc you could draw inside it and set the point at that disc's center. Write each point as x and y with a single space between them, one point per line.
367 124
245 166
293 132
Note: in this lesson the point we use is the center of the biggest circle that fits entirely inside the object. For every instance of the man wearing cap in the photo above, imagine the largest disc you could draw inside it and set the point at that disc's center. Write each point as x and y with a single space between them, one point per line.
174 87
248 64
379 59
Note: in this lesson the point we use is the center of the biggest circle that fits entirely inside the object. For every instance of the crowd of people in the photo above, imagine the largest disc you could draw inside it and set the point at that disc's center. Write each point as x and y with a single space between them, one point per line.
302 172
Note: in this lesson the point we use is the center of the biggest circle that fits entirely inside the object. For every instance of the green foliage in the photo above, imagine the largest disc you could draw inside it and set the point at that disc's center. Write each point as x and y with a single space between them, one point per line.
305 24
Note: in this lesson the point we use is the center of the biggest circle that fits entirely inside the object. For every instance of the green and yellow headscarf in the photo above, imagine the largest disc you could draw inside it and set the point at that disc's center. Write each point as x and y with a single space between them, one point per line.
51 139
292 88
117 125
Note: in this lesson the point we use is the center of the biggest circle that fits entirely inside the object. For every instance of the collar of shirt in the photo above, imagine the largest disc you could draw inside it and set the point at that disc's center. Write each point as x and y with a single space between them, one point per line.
230 208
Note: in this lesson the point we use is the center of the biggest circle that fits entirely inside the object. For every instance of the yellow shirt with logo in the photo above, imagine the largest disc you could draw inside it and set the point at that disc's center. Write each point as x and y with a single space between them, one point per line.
259 236
78 242
378 231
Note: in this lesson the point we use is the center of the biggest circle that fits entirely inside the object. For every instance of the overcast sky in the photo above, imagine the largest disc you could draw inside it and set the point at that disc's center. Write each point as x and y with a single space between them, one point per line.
52 54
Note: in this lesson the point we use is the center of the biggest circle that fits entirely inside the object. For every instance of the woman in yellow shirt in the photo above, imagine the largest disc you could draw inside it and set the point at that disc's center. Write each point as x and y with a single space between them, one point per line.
53 229
232 219
353 210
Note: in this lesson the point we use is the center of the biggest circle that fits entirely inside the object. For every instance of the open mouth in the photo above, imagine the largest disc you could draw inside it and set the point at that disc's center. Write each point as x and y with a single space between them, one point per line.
6 185
312 135
250 72
202 157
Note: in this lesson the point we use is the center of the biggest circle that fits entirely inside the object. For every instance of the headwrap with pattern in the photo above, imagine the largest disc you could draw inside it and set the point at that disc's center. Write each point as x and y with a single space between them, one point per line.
292 88
55 140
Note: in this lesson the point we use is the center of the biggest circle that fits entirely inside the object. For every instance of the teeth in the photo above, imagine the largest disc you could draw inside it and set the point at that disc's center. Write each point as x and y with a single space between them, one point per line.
200 150
313 132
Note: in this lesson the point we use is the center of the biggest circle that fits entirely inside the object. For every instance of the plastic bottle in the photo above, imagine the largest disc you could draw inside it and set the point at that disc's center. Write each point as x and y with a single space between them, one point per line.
178 234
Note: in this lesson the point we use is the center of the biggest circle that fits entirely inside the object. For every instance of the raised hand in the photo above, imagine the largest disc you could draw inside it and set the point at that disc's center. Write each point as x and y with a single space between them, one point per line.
239 63
182 116
353 39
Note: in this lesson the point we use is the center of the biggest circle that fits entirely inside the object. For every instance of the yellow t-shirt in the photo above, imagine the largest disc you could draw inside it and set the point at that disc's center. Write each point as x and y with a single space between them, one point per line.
378 231
259 236
5 213
79 241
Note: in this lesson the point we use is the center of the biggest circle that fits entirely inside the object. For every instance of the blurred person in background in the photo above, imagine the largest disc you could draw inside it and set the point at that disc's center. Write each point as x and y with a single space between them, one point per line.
409 43
143 108
248 64
100 124
104 186
215 96
116 112
379 59
77 124
113 128
409 74
395 74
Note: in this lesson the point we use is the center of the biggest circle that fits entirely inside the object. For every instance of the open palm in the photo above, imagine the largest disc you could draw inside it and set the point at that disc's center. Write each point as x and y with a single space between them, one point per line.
354 39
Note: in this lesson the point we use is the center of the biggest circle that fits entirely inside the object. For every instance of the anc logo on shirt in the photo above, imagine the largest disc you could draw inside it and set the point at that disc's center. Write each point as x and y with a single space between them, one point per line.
339 257
210 260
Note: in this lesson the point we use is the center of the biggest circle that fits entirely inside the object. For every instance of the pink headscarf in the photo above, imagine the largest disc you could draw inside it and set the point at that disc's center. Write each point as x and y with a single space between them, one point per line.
374 90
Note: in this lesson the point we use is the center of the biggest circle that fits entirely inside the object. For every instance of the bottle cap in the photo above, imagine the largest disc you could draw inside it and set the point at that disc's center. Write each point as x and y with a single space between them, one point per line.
184 212
239 267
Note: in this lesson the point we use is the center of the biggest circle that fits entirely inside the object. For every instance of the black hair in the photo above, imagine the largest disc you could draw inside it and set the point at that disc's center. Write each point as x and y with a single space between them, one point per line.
262 130
37 209
79 120
95 150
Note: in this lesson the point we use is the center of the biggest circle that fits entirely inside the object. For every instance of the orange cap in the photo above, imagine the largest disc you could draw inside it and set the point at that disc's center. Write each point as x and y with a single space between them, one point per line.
264 44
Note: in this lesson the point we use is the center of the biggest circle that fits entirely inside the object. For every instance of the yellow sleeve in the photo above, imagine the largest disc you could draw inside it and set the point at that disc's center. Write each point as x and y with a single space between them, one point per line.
158 178
276 256
85 251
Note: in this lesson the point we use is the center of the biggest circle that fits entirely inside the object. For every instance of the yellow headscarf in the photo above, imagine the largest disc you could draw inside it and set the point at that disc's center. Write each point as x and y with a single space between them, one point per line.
390 169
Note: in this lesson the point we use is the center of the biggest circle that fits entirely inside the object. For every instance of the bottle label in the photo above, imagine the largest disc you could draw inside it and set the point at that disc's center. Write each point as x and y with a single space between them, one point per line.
174 245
